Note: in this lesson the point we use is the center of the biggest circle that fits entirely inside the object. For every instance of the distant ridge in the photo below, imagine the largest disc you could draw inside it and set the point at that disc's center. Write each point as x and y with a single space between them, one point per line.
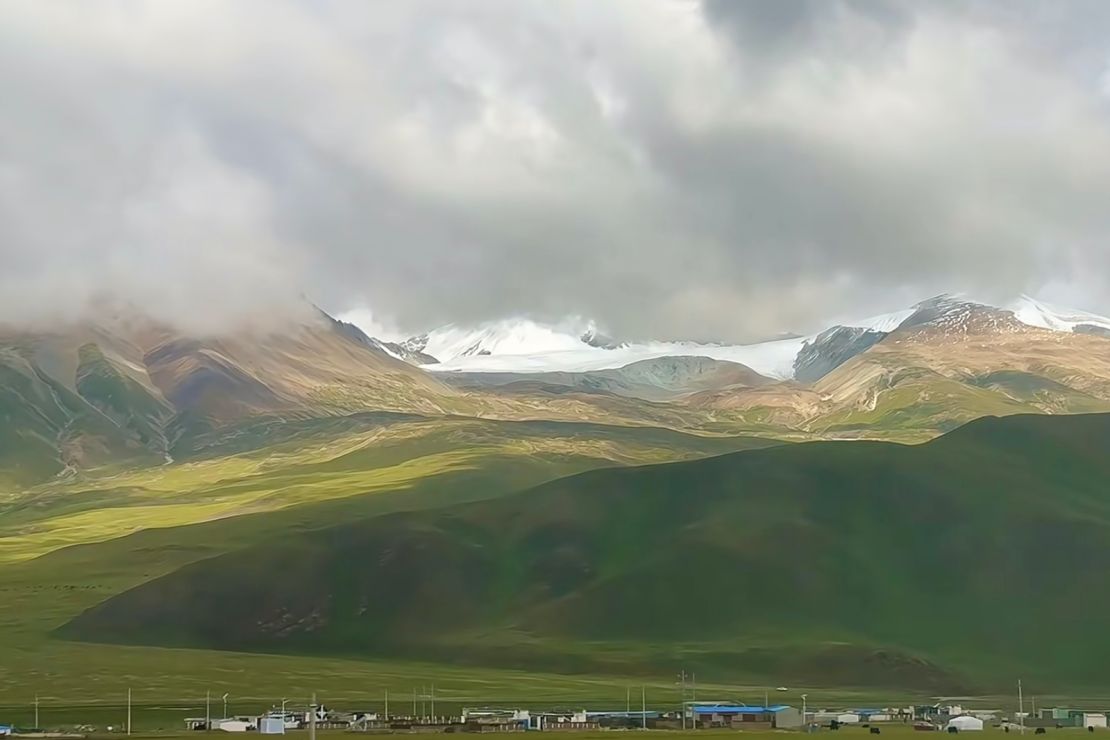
524 346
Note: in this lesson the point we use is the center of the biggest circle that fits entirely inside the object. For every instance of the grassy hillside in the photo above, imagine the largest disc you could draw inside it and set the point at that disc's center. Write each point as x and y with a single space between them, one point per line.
68 545
272 464
87 400
856 562
47 428
932 375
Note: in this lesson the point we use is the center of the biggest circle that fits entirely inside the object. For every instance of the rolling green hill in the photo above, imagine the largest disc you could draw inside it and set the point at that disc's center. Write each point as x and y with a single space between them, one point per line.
69 544
960 561
269 463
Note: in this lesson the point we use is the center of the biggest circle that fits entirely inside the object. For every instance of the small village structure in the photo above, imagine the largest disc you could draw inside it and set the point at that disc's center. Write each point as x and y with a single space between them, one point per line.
715 714
1096 720
702 715
965 723
271 725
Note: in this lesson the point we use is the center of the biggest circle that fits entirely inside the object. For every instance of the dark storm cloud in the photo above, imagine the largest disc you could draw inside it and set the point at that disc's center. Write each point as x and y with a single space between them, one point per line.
728 169
769 31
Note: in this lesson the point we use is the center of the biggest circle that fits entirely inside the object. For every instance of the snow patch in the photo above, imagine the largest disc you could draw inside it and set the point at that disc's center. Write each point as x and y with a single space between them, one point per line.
506 337
773 359
886 322
1032 312
576 345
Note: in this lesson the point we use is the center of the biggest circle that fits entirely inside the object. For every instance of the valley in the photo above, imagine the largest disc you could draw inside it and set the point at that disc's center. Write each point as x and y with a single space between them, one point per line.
749 358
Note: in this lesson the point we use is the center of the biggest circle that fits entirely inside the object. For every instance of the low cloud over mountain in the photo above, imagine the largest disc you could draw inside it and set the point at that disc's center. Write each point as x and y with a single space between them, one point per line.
675 169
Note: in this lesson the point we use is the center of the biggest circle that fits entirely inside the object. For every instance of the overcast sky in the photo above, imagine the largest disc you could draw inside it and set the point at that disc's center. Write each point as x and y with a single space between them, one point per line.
723 169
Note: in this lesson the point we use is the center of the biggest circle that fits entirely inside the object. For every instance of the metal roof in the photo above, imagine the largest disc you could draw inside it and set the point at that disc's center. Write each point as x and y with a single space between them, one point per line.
736 709
650 714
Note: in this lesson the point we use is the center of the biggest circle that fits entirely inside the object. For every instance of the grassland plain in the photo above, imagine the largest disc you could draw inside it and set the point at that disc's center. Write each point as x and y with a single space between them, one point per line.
256 683
887 730
67 545
165 718
823 563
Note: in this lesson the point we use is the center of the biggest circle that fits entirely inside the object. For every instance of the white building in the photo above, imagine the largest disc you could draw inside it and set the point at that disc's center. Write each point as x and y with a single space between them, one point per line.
1094 719
271 726
235 724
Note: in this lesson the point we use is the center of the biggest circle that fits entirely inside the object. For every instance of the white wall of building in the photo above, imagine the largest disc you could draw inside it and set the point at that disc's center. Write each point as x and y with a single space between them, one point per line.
1092 719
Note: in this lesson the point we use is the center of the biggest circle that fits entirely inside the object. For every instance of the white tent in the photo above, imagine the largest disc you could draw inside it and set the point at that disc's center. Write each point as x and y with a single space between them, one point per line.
966 723
237 724
848 718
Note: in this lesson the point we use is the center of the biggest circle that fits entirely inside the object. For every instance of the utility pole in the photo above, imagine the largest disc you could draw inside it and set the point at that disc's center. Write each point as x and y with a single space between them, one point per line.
312 718
643 707
682 708
805 722
387 705
414 702
207 710
1021 709
628 700
694 687
433 702
37 725
129 711
766 693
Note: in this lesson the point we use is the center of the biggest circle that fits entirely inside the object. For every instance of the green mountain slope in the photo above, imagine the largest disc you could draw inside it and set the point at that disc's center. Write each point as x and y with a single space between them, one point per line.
128 393
47 428
851 562
270 464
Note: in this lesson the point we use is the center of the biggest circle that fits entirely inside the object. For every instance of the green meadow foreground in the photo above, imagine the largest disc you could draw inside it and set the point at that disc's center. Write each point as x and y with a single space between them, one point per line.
895 731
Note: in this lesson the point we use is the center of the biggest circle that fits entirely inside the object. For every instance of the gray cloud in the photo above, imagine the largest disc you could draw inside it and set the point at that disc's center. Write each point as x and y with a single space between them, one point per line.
727 169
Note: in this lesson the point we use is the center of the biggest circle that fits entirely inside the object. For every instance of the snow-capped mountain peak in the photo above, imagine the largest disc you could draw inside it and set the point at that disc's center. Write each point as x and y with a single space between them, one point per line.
1036 313
507 337
576 345
886 322
523 346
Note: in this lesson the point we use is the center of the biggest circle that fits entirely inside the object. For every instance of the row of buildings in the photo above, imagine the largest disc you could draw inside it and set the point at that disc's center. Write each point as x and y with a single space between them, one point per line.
486 720
697 715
